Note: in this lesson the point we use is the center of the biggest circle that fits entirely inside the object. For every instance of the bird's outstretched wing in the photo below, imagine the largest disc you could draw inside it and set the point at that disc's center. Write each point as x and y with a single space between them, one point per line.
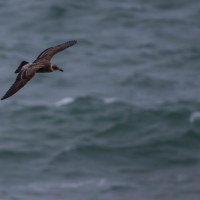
20 66
51 51
21 80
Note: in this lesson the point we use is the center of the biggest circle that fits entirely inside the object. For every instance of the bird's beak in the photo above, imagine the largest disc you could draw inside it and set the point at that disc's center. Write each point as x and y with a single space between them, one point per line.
61 70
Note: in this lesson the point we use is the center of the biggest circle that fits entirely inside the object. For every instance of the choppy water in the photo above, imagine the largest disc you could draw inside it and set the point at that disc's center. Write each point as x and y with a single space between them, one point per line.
123 121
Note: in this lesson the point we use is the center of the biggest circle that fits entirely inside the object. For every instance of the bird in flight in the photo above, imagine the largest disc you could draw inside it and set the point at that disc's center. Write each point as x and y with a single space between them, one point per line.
26 71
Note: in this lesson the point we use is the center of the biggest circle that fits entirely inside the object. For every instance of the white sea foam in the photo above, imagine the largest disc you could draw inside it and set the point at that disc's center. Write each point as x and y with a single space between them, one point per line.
68 100
65 101
194 117
110 100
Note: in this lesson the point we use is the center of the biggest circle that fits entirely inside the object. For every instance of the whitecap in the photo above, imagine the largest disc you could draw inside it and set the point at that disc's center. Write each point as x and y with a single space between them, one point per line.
194 117
110 100
65 101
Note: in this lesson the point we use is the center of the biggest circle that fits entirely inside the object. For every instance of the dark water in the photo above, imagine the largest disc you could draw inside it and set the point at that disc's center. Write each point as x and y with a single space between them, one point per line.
123 121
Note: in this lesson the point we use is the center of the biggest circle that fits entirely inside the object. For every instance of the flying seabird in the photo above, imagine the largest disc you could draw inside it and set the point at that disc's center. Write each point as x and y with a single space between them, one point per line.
26 70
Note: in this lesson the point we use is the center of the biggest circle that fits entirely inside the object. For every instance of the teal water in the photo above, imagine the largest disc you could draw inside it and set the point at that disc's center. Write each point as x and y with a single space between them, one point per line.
122 121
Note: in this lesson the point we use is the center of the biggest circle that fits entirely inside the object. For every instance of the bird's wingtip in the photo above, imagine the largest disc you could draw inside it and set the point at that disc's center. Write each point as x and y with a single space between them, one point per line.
4 97
72 42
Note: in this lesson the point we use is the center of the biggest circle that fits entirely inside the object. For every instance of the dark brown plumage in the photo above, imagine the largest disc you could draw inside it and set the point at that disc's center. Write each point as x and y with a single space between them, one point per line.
26 71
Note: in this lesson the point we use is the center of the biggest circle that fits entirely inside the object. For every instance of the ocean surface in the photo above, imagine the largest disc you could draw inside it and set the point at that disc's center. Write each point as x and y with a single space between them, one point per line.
123 120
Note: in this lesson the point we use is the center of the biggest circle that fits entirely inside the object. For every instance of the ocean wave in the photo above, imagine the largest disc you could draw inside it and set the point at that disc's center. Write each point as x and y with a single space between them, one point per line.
68 100
120 186
110 100
42 187
104 183
169 150
19 155
195 116
122 132
65 101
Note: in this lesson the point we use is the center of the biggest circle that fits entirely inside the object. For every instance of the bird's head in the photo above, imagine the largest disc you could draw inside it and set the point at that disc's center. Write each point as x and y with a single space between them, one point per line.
55 67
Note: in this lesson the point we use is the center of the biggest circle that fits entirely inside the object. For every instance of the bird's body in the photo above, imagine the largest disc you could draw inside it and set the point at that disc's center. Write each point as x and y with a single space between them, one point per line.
42 64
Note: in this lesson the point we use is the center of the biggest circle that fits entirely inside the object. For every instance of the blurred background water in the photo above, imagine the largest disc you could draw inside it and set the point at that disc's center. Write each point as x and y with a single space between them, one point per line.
122 121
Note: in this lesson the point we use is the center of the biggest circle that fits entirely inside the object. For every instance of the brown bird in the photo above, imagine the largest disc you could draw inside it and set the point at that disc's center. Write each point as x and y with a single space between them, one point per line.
26 71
